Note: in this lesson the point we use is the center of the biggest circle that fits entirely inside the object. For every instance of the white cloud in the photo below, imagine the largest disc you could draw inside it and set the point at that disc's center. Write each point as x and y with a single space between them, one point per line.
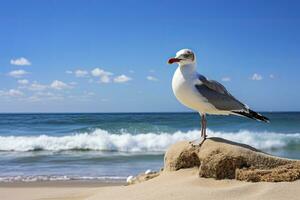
105 77
17 73
69 72
271 76
81 73
35 86
20 61
23 81
256 77
11 93
226 79
39 96
59 85
152 78
73 83
122 79
45 94
33 98
100 72
15 93
131 71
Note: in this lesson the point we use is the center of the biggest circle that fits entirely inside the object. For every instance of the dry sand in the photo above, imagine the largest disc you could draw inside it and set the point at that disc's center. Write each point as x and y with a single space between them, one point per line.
182 184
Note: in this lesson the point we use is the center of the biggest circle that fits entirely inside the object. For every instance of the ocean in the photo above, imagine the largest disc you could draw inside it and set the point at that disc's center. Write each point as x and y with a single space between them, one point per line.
111 147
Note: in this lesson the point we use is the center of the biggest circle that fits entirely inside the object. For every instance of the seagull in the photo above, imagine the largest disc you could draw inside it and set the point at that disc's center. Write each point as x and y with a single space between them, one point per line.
205 96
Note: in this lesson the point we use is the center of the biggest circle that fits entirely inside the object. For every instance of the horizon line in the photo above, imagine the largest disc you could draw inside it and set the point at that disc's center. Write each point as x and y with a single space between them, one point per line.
139 112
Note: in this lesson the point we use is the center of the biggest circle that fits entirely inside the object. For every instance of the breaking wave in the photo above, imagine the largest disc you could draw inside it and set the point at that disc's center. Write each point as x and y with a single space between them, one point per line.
102 140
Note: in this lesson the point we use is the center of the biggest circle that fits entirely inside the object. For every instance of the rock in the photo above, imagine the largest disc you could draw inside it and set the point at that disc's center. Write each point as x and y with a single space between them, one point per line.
181 155
288 172
142 177
129 179
148 171
223 159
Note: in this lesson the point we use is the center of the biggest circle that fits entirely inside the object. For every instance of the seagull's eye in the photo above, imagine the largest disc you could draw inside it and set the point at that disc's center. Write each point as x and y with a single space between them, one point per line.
186 55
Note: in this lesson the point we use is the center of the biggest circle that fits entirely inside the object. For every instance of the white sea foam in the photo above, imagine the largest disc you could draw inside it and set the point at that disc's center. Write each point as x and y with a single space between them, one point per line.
150 142
59 178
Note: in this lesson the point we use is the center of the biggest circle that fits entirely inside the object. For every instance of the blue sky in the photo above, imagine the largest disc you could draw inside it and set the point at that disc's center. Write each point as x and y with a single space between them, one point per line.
110 56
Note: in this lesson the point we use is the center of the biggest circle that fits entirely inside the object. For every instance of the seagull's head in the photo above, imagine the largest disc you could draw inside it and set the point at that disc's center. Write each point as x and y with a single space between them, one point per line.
183 57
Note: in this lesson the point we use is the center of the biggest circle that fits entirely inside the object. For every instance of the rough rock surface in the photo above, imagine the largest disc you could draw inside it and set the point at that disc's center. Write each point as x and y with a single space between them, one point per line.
223 159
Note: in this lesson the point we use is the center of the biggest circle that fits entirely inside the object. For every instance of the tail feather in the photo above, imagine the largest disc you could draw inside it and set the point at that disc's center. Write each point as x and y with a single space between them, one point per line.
252 115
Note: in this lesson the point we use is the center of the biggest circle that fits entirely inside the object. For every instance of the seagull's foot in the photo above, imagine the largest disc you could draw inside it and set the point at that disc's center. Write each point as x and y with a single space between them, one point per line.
198 142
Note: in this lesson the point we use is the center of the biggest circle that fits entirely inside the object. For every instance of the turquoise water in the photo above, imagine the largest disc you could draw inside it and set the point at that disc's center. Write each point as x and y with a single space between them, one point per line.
114 146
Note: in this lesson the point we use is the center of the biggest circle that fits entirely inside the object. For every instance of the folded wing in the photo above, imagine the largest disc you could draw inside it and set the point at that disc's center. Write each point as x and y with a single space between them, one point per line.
217 95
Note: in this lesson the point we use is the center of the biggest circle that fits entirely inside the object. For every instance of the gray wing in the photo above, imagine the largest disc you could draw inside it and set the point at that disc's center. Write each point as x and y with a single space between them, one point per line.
217 95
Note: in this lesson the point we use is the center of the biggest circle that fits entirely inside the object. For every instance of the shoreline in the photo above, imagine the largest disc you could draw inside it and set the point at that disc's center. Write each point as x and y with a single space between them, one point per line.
64 184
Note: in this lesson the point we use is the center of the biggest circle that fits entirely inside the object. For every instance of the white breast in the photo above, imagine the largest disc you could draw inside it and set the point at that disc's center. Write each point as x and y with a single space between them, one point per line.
183 85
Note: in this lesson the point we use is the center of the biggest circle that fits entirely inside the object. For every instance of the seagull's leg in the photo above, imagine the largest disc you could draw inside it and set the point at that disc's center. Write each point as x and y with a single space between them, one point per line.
204 124
202 127
198 142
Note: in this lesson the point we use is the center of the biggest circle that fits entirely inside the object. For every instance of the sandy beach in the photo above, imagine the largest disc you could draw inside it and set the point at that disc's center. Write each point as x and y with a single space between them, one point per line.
182 184
182 178
52 189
